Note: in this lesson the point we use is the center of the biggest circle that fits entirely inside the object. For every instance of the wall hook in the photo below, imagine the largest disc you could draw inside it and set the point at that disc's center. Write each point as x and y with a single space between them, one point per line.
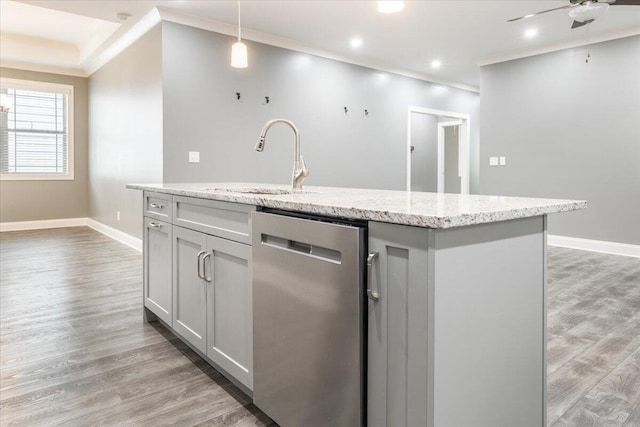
238 96
266 99
346 111
366 113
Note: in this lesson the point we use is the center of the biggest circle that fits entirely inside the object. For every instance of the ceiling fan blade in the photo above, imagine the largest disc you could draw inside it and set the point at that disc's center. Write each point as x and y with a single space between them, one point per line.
569 6
578 24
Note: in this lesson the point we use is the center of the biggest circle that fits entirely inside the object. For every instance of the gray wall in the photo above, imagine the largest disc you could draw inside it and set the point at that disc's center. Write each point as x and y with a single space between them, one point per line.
125 138
42 200
569 130
201 113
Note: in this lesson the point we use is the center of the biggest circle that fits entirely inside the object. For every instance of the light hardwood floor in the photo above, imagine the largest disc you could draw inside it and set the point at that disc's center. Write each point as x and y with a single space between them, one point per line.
74 350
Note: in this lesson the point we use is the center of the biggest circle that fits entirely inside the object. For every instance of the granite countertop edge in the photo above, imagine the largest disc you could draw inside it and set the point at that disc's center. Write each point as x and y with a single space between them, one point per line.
427 210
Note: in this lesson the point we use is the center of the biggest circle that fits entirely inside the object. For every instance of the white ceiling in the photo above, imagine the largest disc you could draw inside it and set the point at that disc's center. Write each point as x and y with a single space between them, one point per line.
461 33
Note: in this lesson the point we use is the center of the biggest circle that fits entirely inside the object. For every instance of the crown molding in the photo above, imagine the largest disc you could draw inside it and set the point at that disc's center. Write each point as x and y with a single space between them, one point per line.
43 68
556 47
96 61
286 43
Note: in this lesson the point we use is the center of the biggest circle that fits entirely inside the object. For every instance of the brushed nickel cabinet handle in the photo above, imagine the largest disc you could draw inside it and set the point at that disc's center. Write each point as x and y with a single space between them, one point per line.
204 267
373 295
155 225
199 260
156 205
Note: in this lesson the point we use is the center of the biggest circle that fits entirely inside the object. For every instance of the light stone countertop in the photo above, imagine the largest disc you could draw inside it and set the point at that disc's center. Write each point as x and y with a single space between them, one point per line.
430 210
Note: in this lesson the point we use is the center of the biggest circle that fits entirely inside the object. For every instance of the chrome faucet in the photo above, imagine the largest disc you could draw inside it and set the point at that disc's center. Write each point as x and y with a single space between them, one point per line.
300 171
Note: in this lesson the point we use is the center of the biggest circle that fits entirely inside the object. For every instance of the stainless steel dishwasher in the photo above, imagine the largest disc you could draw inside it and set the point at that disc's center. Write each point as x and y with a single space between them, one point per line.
308 332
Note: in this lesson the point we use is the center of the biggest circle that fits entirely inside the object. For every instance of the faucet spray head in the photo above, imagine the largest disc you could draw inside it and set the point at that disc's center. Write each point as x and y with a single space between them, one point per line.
260 144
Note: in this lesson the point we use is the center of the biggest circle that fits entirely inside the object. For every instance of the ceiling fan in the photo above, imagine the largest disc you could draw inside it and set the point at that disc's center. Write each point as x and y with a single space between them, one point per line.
584 12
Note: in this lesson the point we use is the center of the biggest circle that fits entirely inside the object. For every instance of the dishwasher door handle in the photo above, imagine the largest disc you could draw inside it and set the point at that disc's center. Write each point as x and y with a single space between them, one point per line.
373 295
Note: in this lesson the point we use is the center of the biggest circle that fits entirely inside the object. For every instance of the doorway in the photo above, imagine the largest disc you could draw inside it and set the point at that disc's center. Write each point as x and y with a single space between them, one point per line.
437 151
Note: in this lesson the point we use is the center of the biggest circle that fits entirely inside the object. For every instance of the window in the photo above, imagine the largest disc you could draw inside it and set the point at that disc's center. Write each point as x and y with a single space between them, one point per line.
36 130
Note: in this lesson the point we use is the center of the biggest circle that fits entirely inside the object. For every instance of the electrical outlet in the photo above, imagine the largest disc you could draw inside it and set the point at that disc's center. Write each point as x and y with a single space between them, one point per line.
493 161
194 157
503 161
118 216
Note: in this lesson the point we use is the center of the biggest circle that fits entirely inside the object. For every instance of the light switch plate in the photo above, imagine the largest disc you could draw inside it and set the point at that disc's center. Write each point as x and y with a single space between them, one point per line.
194 157
503 161
493 161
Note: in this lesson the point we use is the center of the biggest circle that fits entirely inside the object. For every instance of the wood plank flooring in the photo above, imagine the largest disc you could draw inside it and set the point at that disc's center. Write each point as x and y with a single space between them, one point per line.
593 348
74 350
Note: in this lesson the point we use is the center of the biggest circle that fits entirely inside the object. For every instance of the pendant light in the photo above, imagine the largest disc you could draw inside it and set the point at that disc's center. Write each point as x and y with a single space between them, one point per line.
239 49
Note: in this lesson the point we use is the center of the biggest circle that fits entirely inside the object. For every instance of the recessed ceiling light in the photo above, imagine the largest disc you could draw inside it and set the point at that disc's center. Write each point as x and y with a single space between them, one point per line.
436 63
531 33
390 6
356 42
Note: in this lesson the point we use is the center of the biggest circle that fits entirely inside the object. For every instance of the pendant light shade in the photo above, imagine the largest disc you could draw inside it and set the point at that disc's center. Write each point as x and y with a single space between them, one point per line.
239 55
239 49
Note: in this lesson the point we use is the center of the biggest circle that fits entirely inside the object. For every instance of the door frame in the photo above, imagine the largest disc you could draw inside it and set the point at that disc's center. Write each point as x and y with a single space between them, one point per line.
464 147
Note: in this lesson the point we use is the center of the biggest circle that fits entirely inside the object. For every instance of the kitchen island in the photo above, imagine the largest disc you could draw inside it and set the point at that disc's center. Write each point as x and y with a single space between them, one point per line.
456 330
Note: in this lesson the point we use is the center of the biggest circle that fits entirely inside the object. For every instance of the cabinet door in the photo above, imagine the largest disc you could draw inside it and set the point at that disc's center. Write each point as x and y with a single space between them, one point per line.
397 365
189 290
157 268
229 315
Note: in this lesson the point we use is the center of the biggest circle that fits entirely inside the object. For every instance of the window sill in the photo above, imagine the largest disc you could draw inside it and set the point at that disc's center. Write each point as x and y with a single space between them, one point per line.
36 177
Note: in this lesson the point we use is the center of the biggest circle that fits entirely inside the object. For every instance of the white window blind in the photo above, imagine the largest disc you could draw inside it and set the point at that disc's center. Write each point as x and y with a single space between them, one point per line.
34 130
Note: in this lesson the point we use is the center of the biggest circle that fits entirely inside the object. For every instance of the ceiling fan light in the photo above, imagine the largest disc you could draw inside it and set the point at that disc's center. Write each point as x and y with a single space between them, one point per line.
390 6
589 11
239 55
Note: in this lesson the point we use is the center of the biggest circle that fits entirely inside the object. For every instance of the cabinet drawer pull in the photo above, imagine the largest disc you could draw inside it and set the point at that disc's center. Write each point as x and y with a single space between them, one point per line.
204 267
373 295
155 225
156 205
199 260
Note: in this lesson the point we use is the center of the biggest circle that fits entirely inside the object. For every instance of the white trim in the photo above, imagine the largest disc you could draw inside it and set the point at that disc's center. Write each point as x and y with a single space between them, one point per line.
41 86
273 40
464 155
120 236
579 42
42 224
43 68
94 62
614 248
111 232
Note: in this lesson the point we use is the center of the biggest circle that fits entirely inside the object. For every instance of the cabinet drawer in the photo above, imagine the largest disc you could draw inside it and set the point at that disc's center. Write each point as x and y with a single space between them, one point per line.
157 205
223 219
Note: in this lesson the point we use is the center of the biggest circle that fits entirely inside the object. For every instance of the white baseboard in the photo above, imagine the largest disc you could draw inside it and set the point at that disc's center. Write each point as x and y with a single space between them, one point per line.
118 235
614 248
46 223
115 234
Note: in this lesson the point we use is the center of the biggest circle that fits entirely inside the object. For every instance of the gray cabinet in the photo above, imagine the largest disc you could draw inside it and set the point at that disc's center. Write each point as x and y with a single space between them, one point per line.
157 268
229 308
189 289
397 339
457 335
197 277
212 296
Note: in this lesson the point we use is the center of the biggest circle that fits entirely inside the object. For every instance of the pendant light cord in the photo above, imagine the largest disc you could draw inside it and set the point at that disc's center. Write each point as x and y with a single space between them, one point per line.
239 27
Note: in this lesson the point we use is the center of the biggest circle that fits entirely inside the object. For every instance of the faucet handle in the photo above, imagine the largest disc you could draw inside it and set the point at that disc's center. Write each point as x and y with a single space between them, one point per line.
304 172
299 174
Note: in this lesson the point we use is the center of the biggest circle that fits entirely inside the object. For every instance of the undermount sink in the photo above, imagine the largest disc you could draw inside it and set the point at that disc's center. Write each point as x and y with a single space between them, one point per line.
256 190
